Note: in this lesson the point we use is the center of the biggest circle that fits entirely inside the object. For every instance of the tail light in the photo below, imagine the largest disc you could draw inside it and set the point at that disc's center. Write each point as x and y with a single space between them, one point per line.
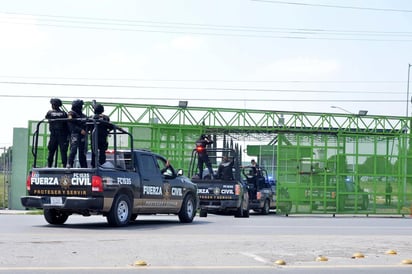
237 189
97 184
199 149
258 195
28 182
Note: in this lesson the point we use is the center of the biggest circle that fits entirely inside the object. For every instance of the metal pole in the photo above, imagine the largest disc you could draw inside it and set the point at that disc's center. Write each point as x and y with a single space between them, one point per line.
345 110
406 138
4 178
407 91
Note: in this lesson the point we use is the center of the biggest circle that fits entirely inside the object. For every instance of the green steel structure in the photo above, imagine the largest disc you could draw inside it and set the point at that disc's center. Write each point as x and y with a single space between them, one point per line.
328 163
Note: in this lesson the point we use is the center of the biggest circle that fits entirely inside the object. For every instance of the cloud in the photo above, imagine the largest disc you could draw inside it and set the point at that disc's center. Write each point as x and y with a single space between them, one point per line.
20 32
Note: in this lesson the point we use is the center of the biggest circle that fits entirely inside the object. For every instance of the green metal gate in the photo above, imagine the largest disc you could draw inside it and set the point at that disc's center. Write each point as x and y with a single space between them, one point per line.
324 163
345 173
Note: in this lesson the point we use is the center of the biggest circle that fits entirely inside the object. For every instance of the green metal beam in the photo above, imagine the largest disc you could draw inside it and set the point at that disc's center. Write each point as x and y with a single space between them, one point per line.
254 120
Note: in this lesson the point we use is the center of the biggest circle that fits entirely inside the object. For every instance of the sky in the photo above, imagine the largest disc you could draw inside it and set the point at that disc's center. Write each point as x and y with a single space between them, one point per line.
296 55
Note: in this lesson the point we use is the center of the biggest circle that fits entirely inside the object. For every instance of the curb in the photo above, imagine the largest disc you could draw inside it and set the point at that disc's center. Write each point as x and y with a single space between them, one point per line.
14 212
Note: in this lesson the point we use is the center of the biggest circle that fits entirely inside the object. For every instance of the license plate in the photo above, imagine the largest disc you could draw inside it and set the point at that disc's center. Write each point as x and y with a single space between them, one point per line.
56 200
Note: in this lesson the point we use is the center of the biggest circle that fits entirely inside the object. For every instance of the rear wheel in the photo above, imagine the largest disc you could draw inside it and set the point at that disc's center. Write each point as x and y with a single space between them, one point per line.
188 210
120 212
55 217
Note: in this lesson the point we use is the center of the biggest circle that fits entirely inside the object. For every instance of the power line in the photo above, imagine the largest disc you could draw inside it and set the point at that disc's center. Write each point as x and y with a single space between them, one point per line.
127 22
295 36
141 23
202 80
210 99
204 29
194 88
333 6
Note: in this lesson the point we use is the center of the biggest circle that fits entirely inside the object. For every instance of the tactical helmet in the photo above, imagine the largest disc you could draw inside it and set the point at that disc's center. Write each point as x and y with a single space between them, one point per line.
77 103
56 102
98 109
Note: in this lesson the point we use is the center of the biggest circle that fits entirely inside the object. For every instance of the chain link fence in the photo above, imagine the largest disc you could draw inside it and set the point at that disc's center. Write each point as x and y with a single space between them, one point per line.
5 175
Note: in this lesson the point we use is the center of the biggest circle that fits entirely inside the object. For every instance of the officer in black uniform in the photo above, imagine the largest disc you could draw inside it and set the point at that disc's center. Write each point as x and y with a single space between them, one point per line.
203 157
77 127
225 170
102 130
59 132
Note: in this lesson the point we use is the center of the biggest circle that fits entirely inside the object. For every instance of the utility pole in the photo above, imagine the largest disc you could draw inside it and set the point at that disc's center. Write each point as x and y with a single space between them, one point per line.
407 91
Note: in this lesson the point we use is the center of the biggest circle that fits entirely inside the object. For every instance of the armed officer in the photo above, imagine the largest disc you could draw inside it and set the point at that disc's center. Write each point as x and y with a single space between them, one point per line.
77 127
59 132
203 157
225 170
103 129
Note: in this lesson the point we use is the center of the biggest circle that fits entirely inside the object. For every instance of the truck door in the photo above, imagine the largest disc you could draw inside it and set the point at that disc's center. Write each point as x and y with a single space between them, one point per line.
155 193
172 185
151 180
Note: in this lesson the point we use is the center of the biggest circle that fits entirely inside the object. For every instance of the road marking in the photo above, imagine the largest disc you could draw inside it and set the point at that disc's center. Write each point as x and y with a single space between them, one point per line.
255 257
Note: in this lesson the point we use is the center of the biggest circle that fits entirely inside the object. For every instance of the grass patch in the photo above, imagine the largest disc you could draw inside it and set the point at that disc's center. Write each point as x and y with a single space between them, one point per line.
34 212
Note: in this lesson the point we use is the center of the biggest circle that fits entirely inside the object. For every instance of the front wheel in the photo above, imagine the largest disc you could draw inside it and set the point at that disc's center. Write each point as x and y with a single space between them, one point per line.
188 211
120 212
55 217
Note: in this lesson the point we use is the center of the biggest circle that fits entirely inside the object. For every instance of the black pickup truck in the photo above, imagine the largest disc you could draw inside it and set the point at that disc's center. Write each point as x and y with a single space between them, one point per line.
262 193
131 182
217 194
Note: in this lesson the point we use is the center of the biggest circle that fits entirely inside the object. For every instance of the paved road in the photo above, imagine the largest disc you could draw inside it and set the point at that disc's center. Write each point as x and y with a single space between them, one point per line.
216 244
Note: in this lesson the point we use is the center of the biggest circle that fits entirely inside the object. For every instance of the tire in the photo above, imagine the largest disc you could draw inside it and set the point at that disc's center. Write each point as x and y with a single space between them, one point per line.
55 217
266 208
188 211
203 213
120 212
